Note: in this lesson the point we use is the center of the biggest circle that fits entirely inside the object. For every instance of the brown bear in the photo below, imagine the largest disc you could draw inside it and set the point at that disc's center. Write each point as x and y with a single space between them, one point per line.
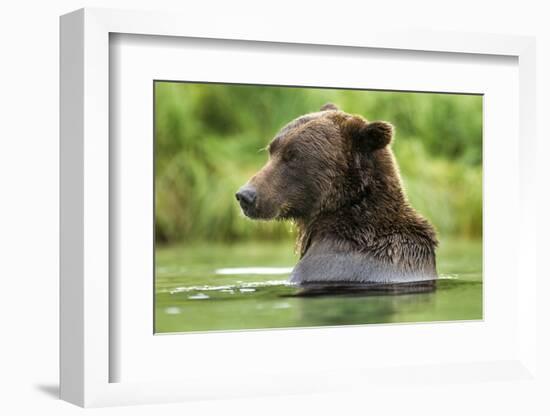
335 176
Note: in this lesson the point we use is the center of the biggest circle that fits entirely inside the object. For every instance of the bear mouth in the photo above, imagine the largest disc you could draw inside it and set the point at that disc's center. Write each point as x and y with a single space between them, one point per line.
250 211
253 212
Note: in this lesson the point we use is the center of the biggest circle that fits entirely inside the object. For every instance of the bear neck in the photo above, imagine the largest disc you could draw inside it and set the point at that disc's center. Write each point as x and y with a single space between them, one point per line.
377 209
357 220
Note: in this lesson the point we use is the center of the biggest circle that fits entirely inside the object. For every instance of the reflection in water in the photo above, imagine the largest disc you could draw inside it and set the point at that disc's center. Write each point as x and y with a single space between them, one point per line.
359 309
237 304
220 288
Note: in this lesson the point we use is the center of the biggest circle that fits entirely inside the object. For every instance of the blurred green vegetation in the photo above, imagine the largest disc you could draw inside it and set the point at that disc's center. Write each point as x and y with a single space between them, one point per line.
209 139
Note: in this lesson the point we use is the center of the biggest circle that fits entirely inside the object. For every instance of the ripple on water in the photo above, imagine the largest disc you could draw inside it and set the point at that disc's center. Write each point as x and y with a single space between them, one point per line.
254 270
198 296
172 310
240 286
281 305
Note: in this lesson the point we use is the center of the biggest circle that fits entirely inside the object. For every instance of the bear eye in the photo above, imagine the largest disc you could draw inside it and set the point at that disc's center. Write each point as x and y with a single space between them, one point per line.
289 156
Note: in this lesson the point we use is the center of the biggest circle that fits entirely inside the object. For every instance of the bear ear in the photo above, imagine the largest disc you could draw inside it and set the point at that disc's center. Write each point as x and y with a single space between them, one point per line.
329 106
369 136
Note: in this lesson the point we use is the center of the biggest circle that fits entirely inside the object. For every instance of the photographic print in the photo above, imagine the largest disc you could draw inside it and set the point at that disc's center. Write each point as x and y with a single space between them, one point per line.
295 207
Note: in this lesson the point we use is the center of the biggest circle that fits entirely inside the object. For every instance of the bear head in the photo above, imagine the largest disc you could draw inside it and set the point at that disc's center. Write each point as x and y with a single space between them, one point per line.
320 162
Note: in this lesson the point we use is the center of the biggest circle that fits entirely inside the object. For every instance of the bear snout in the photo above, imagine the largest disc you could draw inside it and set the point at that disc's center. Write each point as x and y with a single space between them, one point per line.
247 197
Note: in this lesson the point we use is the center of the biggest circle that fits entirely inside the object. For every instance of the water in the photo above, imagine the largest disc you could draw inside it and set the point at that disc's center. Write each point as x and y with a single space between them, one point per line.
209 287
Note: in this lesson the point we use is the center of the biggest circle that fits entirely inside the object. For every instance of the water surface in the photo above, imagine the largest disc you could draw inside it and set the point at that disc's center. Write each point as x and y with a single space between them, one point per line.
205 287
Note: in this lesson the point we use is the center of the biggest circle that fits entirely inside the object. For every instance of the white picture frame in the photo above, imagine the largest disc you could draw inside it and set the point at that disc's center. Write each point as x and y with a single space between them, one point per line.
87 301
